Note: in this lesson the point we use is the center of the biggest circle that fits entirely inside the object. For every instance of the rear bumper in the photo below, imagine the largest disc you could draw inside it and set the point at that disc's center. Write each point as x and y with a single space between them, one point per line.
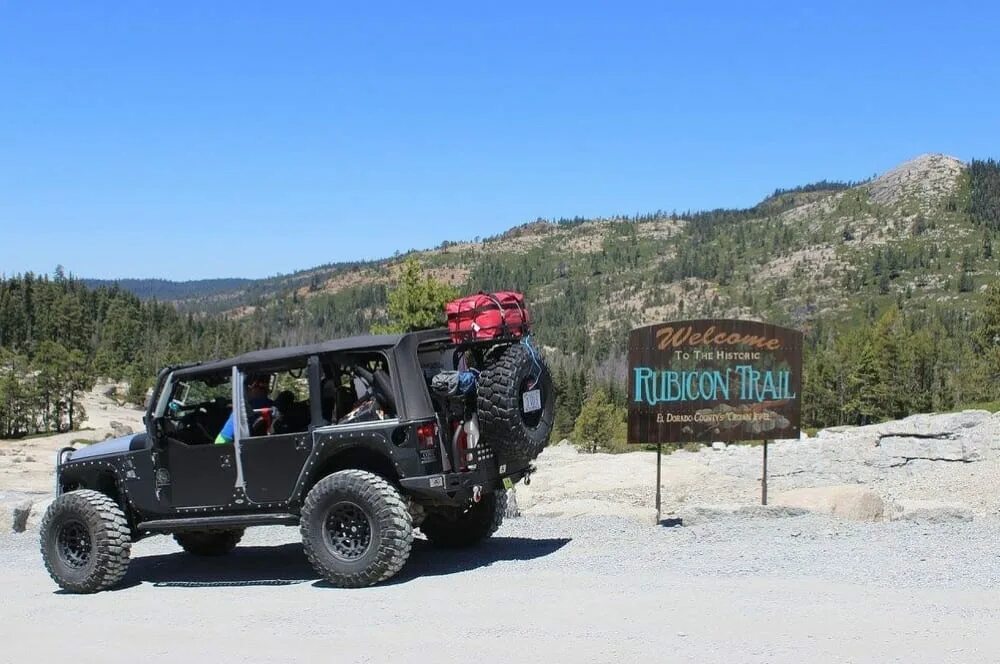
456 488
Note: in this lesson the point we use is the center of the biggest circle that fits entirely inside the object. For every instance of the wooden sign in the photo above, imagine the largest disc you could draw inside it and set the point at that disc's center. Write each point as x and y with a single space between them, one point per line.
714 380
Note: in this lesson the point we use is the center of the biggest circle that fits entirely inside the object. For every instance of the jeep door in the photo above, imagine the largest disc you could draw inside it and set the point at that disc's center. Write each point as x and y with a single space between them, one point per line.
273 452
191 471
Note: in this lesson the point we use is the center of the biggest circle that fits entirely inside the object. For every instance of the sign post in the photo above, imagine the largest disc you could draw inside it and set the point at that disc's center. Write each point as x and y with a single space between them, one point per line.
659 450
713 380
763 479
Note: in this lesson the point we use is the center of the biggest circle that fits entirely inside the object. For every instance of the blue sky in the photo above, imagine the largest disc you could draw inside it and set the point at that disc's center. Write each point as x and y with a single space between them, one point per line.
202 139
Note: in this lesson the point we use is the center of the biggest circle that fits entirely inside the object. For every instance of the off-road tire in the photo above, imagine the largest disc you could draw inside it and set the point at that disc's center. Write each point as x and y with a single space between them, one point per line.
515 436
456 527
85 541
344 554
209 542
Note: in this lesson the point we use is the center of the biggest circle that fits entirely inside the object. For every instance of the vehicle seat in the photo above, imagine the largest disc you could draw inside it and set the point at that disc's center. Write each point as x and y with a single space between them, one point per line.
328 399
346 399
284 403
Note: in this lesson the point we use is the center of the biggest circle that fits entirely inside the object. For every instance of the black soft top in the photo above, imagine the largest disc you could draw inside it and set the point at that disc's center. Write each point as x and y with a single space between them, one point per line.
360 343
406 373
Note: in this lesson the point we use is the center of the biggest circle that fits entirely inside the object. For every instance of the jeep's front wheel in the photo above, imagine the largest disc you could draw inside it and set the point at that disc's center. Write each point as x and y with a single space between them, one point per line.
455 527
85 541
356 529
209 543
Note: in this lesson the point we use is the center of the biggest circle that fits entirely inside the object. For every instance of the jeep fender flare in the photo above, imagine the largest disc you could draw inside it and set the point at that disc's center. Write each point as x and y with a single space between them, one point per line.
102 475
362 450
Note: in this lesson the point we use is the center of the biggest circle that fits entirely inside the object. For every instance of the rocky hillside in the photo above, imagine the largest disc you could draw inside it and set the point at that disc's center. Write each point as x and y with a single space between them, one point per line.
792 258
925 467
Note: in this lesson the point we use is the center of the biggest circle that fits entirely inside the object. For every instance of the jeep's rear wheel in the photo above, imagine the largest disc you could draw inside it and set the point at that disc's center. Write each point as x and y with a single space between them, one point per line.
455 527
85 541
356 529
210 542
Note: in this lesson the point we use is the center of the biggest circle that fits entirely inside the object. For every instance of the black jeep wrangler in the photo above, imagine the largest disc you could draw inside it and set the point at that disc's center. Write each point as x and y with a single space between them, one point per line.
365 439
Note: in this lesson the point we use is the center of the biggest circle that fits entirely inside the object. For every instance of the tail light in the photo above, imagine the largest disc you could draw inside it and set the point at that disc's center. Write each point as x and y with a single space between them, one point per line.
427 436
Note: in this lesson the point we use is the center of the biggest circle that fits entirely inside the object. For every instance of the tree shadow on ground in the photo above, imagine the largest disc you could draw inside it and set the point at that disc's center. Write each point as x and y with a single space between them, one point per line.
286 564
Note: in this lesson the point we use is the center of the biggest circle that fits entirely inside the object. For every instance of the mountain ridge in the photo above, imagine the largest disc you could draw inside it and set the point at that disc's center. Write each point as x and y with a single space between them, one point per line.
798 254
185 289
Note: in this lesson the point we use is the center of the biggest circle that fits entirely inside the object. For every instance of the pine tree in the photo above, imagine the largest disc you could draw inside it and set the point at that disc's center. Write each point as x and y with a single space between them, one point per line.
51 363
822 389
866 394
417 302
600 425
894 365
988 333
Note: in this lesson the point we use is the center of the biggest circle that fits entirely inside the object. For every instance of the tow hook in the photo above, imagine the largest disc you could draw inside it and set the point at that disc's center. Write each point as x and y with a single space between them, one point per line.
477 493
527 475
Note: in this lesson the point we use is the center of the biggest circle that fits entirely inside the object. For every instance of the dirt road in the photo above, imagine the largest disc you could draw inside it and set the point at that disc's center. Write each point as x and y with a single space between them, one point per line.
591 589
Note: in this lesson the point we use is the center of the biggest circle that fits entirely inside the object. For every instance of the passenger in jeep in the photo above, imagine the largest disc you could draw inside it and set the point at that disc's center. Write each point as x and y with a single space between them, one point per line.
257 387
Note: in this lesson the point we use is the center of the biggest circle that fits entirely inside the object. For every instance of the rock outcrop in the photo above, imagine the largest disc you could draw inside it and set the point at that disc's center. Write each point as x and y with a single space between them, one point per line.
855 503
926 179
118 429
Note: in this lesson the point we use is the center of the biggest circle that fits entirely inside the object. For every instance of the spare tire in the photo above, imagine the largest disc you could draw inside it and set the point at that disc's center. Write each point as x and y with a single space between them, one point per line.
517 436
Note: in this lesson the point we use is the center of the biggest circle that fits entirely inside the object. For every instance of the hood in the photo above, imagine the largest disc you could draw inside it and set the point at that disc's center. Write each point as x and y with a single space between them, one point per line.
114 446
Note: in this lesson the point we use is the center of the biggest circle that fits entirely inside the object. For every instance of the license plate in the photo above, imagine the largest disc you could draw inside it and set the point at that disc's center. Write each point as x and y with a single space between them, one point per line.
508 483
532 401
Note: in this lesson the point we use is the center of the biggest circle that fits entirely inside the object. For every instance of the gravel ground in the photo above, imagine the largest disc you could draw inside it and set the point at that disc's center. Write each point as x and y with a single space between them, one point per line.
589 589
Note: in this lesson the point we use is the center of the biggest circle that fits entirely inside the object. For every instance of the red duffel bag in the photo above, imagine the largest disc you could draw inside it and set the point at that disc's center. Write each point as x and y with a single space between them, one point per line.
487 316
